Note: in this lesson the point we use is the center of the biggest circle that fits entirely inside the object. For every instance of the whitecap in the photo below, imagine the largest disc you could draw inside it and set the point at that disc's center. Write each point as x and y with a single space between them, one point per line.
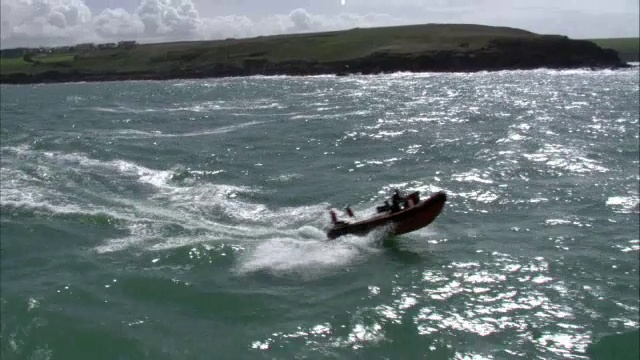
624 204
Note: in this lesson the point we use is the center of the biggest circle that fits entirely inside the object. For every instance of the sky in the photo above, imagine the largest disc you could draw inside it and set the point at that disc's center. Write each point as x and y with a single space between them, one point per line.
33 23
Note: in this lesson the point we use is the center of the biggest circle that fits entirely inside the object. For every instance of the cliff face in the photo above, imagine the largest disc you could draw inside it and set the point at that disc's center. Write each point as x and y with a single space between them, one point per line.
499 53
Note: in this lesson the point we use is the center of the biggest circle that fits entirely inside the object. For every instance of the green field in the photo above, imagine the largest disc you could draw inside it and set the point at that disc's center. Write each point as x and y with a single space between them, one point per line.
627 48
54 58
323 47
13 65
40 62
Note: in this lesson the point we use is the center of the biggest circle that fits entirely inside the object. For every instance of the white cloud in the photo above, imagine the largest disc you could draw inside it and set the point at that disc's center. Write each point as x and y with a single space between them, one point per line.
169 18
65 22
45 20
118 23
301 20
223 27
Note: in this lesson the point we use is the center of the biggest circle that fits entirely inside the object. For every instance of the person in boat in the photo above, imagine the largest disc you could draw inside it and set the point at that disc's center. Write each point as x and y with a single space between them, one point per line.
396 200
334 217
350 211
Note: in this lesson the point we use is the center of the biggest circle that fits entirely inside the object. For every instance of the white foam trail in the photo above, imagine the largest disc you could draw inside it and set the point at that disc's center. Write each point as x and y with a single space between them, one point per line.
204 211
251 227
137 134
197 107
157 178
279 241
34 188
309 255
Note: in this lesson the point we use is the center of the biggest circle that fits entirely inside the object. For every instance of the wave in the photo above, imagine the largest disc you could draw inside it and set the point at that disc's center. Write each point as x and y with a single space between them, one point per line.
566 158
546 71
199 107
624 204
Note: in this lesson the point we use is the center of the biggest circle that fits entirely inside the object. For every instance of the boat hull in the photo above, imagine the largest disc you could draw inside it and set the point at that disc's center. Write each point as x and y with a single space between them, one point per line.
401 222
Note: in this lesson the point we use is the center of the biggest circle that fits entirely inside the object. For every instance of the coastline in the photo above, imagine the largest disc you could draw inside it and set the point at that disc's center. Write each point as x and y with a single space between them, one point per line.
97 78
416 48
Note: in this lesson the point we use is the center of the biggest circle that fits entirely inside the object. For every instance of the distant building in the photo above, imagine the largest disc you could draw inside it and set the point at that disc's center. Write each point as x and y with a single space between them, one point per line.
87 46
126 44
64 49
107 46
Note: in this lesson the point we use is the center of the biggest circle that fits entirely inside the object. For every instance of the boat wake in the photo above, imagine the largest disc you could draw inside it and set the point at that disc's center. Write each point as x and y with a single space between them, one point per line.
158 210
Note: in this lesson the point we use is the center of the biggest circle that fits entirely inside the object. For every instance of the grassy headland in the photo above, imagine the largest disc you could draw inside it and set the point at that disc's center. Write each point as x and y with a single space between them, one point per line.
627 48
431 47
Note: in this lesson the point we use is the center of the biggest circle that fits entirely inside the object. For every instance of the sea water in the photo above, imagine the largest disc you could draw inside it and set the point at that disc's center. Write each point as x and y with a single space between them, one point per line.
186 219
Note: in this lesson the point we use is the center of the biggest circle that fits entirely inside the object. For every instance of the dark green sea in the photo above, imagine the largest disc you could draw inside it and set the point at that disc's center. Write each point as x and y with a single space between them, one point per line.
186 219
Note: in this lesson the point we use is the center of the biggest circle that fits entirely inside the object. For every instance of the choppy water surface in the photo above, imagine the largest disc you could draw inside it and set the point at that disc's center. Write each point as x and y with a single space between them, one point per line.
185 219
